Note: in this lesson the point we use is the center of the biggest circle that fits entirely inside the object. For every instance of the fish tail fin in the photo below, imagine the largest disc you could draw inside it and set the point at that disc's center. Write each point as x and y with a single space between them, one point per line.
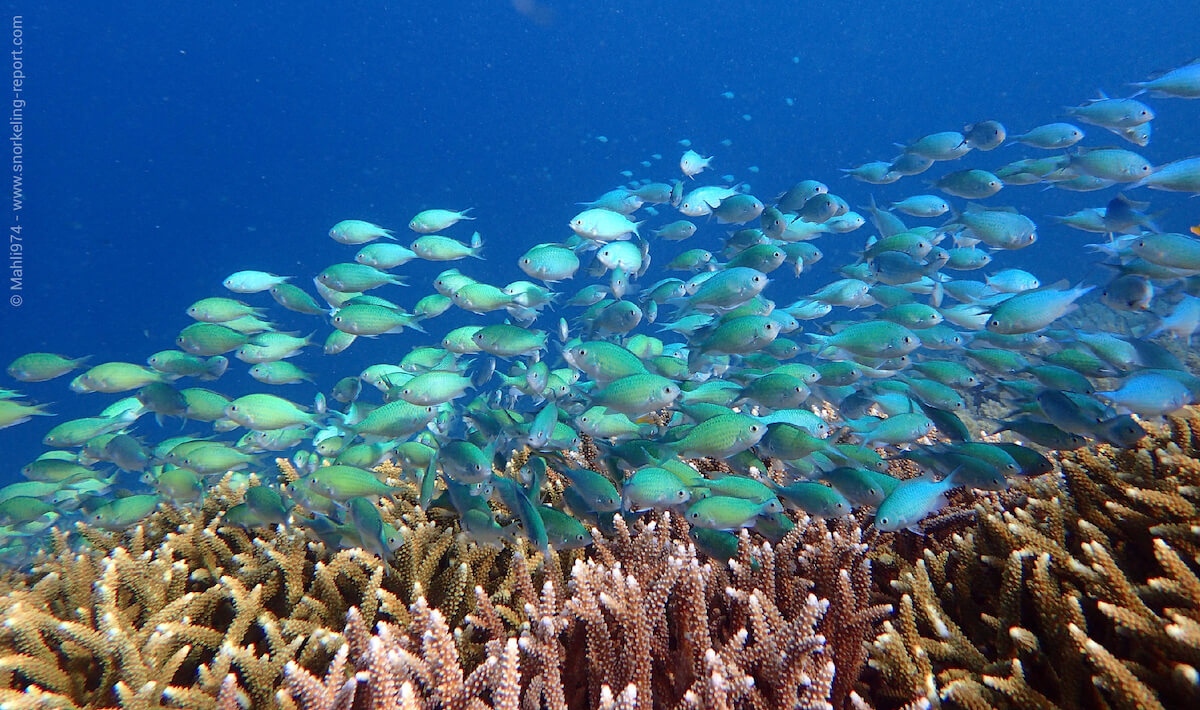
463 214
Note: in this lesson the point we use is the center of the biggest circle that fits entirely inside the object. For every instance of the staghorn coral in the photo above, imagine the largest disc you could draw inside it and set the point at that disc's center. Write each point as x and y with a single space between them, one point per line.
643 623
162 615
185 611
1076 590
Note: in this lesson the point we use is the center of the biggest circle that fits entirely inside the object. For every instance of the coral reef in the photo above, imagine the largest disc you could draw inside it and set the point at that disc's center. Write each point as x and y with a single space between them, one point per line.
1078 589
185 611
1075 590
161 615
643 624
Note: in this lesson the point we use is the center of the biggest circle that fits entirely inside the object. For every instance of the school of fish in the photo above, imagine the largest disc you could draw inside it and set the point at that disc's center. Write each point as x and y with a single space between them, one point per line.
801 405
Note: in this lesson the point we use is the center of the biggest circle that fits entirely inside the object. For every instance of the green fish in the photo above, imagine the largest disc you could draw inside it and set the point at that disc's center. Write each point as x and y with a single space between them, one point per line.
595 490
435 220
219 310
369 320
342 483
721 437
434 247
814 498
869 339
1030 311
653 488
563 531
209 339
14 413
296 299
383 255
723 513
364 516
179 485
123 512
639 394
356 231
176 362
40 367
24 509
77 431
394 420
263 412
506 340
279 372
912 501
861 486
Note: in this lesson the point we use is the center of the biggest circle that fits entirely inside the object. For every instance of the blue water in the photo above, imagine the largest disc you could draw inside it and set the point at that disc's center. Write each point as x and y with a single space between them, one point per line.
167 146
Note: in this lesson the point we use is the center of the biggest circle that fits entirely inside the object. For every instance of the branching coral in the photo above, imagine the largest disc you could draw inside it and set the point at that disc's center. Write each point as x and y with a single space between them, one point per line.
643 623
163 614
186 611
1081 593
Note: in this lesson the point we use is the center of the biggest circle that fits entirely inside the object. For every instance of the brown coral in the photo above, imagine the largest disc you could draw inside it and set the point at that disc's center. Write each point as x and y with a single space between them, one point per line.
645 623
185 611
1080 590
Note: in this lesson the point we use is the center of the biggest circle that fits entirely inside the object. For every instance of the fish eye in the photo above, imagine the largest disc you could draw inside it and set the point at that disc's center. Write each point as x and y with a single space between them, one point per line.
884 520
233 408
994 322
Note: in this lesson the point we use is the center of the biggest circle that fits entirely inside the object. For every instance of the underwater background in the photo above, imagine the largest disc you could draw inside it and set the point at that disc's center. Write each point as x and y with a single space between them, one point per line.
687 524
167 146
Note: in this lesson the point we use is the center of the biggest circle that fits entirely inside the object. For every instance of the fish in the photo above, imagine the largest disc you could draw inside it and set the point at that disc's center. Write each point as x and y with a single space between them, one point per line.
985 135
250 281
1033 310
1051 136
42 367
778 361
435 220
1181 82
435 247
971 184
912 501
692 163
1112 113
1178 176
356 231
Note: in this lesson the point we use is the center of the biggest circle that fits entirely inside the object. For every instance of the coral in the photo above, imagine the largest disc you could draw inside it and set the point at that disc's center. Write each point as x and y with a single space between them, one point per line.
1075 590
643 623
185 611
163 615
1078 589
